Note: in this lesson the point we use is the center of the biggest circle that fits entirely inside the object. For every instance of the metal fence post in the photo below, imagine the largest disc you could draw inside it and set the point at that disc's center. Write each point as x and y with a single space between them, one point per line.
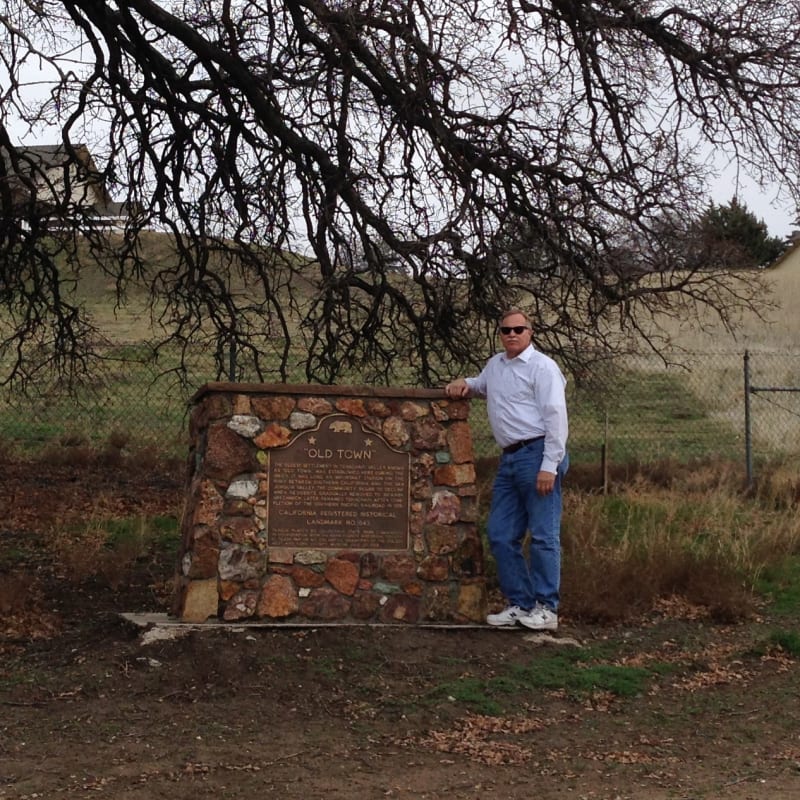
232 361
748 442
604 456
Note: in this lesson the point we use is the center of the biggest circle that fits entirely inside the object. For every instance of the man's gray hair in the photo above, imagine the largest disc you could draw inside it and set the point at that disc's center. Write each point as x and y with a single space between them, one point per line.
509 311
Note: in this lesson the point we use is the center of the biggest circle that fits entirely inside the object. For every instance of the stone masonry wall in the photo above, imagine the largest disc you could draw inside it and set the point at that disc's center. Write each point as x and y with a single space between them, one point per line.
227 568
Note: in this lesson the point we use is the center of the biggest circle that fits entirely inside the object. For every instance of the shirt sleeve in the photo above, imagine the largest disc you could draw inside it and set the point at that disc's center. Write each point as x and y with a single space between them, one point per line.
553 405
477 384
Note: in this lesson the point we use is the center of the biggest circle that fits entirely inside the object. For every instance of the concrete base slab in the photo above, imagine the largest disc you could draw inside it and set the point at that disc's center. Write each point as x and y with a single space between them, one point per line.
149 620
160 627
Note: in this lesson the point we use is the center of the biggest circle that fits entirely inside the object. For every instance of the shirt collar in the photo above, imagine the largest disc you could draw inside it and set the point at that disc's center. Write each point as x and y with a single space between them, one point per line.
525 355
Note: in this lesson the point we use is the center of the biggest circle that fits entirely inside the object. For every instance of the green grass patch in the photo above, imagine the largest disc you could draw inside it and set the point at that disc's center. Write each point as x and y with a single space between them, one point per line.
326 666
639 415
15 673
780 585
480 695
786 640
159 534
647 414
578 673
152 410
22 554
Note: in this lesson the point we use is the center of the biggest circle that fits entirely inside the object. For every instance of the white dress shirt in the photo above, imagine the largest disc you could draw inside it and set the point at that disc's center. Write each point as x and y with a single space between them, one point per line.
525 399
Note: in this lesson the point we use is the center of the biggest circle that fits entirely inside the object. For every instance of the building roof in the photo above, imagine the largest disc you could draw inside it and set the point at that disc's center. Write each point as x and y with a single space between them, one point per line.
41 163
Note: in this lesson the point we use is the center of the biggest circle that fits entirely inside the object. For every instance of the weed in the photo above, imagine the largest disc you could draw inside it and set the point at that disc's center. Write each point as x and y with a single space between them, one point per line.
326 666
14 675
779 486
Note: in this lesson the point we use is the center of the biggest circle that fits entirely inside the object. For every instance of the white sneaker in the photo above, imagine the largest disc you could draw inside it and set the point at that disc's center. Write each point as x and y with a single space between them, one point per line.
540 618
507 618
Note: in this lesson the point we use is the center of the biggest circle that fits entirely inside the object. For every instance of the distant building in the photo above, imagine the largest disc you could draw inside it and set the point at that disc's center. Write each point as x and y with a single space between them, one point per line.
56 184
789 260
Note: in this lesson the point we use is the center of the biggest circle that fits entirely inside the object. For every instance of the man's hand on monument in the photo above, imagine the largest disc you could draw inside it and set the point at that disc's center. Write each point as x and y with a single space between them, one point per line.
457 388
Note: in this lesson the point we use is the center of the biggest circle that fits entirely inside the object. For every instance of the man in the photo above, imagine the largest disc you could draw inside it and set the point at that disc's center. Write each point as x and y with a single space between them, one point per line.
527 411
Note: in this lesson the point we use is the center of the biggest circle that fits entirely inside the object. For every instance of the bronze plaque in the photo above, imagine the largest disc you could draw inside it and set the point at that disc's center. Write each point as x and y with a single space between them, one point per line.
338 487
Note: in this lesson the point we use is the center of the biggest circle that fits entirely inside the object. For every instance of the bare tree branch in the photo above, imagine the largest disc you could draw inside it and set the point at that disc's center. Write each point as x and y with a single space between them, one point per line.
382 176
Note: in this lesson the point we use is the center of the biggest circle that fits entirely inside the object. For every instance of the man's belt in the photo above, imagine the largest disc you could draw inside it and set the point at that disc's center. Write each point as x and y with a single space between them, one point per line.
512 448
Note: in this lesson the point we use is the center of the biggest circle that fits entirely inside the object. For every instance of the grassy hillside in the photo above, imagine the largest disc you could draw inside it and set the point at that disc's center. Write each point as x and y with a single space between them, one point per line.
641 410
778 330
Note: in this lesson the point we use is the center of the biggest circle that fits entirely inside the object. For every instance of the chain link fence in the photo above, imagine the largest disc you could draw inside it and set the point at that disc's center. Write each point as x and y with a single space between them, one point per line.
680 407
772 408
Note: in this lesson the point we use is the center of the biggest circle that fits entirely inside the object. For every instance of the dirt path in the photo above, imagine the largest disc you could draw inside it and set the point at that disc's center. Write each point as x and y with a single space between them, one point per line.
353 712
91 708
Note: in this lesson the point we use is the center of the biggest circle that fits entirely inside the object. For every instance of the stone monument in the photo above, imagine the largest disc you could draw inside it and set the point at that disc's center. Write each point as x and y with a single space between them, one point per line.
330 504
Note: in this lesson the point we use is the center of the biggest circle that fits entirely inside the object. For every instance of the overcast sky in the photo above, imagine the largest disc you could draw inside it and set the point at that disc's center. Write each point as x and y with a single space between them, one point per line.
770 205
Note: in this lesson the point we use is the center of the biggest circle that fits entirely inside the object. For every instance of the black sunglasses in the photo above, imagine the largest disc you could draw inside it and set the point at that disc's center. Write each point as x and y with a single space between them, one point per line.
516 328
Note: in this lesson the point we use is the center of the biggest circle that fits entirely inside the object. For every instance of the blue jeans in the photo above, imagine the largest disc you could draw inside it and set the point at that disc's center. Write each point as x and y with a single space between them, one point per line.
517 508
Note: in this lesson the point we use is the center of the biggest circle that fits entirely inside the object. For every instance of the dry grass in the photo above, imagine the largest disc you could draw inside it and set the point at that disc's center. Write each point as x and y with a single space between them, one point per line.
674 531
670 535
780 487
104 550
117 452
665 536
82 553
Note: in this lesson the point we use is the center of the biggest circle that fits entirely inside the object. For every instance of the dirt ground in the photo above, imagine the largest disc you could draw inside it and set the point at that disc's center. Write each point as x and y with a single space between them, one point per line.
92 706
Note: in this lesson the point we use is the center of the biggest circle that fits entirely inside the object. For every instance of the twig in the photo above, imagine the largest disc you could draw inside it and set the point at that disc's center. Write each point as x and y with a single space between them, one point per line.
29 704
737 781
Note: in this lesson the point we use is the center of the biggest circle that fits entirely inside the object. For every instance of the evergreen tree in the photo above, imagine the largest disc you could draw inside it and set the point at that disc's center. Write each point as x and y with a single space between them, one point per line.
732 236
